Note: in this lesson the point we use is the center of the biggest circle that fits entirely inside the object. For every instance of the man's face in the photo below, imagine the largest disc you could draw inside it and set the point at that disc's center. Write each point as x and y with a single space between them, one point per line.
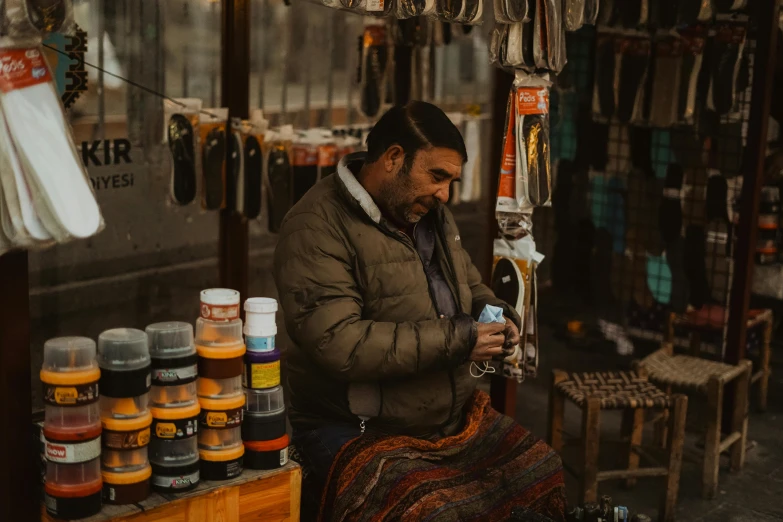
410 192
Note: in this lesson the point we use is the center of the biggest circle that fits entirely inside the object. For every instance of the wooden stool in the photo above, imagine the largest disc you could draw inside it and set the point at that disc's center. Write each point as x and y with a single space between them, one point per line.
632 393
706 322
707 378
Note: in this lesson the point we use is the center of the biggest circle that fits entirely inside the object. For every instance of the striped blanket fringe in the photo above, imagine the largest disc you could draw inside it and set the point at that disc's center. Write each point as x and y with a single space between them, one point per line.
480 474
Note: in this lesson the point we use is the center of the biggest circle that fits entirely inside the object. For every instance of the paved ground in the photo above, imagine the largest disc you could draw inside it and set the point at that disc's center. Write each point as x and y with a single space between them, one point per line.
755 494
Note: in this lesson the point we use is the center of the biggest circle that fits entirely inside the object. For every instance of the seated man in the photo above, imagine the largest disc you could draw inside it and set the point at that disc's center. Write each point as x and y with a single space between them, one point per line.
380 301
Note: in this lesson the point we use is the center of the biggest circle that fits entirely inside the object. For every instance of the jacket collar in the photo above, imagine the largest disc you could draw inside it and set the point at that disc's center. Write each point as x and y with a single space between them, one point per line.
354 189
357 194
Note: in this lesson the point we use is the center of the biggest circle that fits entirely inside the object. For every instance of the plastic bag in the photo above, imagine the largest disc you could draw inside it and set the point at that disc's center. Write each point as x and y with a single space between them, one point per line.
632 86
693 41
591 12
525 175
59 186
511 11
34 18
374 65
549 36
468 12
729 44
182 117
574 14
411 8
664 99
278 175
249 187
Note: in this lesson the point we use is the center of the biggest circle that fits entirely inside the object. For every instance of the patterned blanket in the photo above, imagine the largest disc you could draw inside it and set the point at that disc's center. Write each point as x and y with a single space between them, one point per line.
480 474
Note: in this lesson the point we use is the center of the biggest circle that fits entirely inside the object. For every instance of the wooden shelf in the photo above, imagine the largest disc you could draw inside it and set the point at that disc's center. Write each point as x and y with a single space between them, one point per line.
269 496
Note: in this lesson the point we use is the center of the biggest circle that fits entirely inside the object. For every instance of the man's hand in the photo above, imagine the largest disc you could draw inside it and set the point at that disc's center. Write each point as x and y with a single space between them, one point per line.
512 337
490 341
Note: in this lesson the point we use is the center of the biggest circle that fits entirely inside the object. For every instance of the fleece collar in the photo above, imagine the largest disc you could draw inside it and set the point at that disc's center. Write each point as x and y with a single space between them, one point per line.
354 188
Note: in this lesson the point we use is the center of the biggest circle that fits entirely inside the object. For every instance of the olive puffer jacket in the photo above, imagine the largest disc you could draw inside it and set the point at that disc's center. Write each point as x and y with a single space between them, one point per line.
368 342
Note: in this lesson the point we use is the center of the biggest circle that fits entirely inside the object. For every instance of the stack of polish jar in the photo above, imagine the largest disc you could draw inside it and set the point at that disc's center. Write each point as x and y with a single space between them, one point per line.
175 409
72 428
220 349
264 426
124 360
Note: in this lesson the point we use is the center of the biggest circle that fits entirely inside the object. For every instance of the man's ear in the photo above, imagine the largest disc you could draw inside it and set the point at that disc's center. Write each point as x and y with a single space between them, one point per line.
393 158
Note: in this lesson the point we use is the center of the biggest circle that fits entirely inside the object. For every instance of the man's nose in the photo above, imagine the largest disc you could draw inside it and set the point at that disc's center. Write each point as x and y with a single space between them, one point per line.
442 195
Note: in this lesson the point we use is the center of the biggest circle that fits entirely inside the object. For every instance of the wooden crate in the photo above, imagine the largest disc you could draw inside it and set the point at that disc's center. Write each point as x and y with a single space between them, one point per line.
255 496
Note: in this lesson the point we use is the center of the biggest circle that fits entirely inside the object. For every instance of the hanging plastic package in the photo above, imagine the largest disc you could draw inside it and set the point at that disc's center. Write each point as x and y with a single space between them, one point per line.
278 176
235 199
693 11
471 171
514 221
634 66
511 11
525 175
574 14
213 135
253 139
20 223
666 82
182 117
591 12
693 40
305 161
724 67
374 66
59 185
549 49
608 13
412 8
30 18
514 281
607 79
633 13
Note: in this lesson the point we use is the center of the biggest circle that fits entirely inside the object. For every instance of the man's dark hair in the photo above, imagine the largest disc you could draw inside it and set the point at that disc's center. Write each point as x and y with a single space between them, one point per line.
413 127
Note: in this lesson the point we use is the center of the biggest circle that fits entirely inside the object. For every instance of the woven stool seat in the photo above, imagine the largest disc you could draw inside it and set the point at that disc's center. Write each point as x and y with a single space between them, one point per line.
616 390
684 371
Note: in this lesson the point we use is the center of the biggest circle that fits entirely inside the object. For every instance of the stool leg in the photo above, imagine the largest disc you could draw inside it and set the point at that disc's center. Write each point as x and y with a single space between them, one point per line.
591 432
556 411
676 441
633 428
712 439
765 369
662 424
739 421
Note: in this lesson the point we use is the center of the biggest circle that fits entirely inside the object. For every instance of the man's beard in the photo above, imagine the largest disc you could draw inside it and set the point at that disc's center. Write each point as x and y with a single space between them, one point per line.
395 199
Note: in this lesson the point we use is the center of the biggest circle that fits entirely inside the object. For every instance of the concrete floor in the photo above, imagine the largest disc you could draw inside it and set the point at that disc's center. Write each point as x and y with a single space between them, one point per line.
754 494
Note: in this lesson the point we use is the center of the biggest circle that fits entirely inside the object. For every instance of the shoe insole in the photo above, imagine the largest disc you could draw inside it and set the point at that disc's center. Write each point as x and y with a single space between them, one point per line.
671 206
640 141
718 260
536 157
635 62
541 47
55 174
604 102
591 12
214 160
280 190
675 258
410 8
374 61
728 47
666 82
690 71
20 220
508 283
48 16
717 199
237 152
183 165
253 173
574 14
695 267
659 278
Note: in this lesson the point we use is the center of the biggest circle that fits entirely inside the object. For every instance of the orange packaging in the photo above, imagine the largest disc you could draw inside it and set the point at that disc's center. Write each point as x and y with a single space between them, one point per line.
508 164
532 100
21 68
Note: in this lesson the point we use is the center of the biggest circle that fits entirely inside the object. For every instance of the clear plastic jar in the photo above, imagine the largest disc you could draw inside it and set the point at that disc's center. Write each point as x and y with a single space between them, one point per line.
220 388
126 408
264 401
73 476
219 340
173 396
177 452
124 358
123 461
219 439
72 423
